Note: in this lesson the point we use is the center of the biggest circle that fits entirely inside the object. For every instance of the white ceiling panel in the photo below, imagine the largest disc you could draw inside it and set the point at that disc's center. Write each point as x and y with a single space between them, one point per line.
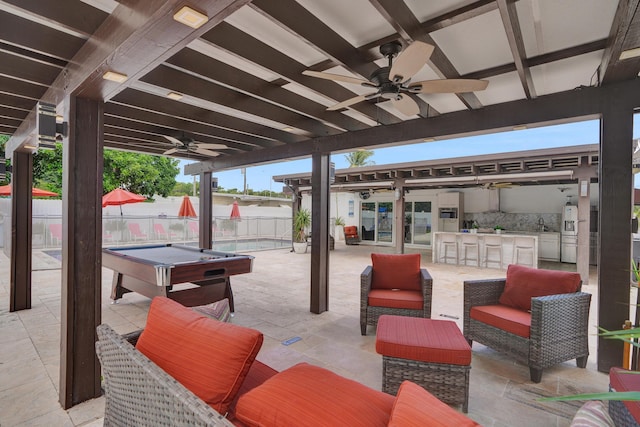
545 27
253 23
566 74
367 26
425 10
502 88
443 102
475 44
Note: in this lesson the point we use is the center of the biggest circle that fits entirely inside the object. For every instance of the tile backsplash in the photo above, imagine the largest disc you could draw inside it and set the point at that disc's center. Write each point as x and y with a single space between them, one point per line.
515 222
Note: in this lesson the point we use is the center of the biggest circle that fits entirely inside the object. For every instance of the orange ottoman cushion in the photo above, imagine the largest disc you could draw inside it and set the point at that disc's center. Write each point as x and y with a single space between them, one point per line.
396 298
414 406
392 270
426 340
307 395
524 283
503 317
209 357
622 381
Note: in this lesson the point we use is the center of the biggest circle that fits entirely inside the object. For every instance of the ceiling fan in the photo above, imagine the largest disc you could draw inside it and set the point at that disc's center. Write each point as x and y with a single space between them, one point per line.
393 82
187 145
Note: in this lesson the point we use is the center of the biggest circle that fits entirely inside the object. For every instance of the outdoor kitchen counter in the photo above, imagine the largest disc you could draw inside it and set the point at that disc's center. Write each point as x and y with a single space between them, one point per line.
507 245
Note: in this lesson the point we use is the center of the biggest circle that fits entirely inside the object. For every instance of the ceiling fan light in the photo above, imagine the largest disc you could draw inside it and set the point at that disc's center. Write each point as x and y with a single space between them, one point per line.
115 77
190 17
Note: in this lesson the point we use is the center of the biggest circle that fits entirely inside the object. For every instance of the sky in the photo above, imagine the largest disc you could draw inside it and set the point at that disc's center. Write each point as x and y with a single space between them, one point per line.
587 132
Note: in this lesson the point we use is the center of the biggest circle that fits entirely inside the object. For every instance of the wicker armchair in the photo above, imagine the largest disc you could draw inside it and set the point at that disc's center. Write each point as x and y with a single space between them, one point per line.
558 330
140 393
397 287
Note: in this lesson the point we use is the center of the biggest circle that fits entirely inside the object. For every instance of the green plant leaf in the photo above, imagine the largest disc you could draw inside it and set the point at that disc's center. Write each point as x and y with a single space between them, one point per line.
626 396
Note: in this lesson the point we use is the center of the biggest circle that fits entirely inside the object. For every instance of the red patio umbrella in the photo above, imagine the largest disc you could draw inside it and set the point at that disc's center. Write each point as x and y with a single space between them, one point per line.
119 197
186 209
5 190
235 211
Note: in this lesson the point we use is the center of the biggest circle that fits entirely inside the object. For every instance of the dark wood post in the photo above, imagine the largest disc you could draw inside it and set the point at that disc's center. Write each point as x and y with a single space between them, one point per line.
21 228
206 221
320 233
81 251
614 233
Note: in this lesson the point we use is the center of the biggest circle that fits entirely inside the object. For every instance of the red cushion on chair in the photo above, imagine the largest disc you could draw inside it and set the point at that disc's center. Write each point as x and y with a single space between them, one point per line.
351 231
209 357
396 271
524 283
415 406
503 317
396 298
621 381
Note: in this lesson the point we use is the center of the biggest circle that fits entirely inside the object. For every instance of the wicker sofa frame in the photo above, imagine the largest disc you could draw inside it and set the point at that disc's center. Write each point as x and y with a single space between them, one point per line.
369 314
140 393
559 327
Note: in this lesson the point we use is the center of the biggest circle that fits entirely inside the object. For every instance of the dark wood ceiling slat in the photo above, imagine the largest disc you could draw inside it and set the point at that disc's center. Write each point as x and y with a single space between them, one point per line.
21 88
36 37
402 16
187 84
626 15
6 129
153 103
509 16
13 113
216 70
70 13
243 45
18 102
25 69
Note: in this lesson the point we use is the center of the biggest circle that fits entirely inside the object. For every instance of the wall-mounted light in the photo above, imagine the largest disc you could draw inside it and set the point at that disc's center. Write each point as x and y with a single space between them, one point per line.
175 96
584 188
397 194
115 77
190 17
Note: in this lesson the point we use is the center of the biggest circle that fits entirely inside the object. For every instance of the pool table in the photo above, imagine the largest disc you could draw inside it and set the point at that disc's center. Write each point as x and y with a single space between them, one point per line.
189 275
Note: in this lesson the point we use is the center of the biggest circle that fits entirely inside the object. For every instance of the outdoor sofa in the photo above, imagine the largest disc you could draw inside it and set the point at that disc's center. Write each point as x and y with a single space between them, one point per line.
214 372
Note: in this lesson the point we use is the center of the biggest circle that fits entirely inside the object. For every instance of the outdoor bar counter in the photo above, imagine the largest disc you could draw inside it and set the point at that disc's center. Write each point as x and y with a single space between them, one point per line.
485 249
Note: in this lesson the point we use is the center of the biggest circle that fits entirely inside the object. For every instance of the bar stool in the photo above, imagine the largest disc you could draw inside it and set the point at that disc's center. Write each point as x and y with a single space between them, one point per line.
492 244
523 246
447 242
470 242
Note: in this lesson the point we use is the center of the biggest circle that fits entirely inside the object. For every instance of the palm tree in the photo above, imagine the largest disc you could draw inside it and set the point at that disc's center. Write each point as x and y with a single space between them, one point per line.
359 158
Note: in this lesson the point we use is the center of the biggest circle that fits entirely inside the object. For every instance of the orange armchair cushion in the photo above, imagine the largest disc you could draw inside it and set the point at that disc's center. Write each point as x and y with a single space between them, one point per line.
415 406
396 271
524 283
209 357
503 317
351 231
396 298
308 396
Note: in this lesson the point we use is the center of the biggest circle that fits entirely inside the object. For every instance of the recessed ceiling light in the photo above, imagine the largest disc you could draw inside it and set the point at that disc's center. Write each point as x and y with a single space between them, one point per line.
175 96
630 53
428 140
30 147
190 17
287 129
520 127
115 77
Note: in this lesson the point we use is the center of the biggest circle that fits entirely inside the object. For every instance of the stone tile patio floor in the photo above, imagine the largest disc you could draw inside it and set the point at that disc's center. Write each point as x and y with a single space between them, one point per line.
274 299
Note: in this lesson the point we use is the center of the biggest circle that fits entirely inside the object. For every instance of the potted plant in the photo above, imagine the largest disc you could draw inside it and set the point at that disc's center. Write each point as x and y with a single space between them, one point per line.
498 229
301 222
339 224
474 227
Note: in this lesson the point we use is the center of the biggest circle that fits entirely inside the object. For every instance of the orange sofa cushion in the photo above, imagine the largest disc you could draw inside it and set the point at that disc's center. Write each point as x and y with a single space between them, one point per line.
396 271
351 231
415 406
307 395
524 283
396 298
258 374
503 317
426 340
209 357
621 382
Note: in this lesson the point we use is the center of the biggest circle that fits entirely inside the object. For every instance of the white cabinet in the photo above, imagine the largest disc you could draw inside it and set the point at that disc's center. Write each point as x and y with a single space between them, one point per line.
549 246
450 211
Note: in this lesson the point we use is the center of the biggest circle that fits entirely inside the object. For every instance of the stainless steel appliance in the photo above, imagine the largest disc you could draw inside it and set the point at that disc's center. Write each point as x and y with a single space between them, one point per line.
569 234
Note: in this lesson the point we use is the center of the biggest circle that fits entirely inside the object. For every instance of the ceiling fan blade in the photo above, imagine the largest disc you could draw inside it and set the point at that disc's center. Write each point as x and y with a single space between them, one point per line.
175 141
347 103
207 146
406 105
337 77
410 61
206 152
448 86
171 151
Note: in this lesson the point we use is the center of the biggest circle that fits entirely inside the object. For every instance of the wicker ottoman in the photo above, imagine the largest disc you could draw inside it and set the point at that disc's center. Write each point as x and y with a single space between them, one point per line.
431 353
